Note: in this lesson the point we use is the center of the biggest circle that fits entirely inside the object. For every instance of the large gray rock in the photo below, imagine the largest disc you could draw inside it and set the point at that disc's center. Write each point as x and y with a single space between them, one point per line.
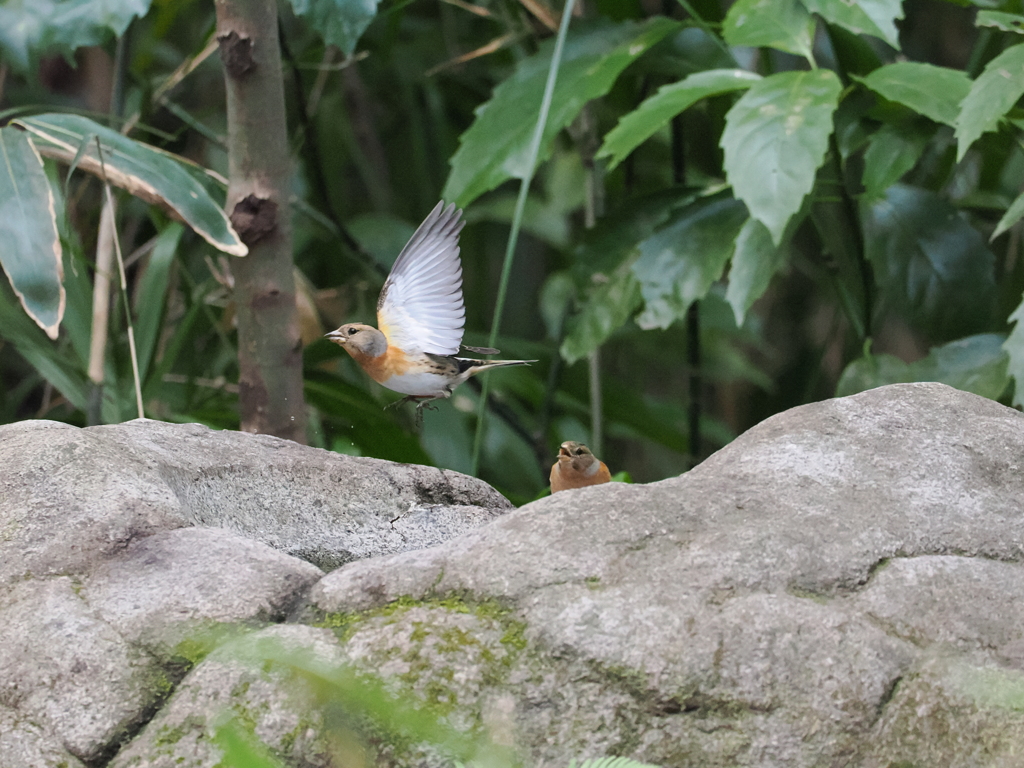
780 605
125 549
171 586
72 496
229 683
23 743
67 671
842 585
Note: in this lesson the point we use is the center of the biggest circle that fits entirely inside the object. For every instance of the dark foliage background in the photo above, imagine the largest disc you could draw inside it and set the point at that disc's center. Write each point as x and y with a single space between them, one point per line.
885 271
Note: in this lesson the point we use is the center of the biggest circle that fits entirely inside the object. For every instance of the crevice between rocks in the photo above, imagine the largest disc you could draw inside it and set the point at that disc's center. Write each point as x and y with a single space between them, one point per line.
847 589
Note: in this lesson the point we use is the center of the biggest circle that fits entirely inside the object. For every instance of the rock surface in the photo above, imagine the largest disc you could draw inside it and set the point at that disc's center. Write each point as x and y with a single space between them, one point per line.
123 547
73 496
842 585
779 605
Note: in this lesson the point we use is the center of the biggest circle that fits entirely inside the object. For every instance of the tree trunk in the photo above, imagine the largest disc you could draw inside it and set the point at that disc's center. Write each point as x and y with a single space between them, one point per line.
269 348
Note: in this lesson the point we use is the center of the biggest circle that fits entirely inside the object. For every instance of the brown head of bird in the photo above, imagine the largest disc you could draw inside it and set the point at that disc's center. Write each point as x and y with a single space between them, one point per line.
577 467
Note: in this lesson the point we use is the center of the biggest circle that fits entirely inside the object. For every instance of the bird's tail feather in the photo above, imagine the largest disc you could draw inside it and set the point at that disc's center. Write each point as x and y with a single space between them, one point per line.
468 363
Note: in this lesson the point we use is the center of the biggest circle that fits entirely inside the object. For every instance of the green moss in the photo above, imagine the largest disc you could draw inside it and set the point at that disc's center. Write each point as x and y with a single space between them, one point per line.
593 582
427 671
515 635
168 736
161 684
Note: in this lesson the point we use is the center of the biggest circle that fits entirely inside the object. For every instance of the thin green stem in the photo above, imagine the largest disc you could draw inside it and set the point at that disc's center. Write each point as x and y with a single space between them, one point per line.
708 29
109 209
517 218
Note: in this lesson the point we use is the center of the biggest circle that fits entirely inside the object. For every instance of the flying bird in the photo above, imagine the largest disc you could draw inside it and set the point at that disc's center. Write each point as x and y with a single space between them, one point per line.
577 467
421 318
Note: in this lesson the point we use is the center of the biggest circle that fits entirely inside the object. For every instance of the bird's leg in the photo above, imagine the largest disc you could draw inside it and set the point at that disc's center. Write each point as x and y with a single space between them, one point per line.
424 404
421 403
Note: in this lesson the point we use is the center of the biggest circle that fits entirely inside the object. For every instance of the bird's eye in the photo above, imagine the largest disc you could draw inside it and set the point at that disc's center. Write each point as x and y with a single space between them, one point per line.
579 451
353 331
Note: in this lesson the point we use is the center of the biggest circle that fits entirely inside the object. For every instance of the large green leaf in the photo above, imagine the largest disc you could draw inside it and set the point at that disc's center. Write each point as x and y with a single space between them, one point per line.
52 363
30 251
679 262
613 240
668 102
152 293
992 95
931 264
934 92
1012 216
1005 22
782 24
340 22
775 138
607 308
864 17
975 364
1014 348
496 146
892 151
754 263
30 29
153 175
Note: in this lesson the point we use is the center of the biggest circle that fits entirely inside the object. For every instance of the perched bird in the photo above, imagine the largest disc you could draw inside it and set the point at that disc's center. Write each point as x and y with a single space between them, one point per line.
577 467
421 317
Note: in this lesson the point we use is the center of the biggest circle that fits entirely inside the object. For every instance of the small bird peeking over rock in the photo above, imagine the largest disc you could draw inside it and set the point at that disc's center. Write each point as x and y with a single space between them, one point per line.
577 467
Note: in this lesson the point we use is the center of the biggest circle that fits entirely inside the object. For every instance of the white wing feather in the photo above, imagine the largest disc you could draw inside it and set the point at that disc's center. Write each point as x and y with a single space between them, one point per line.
420 308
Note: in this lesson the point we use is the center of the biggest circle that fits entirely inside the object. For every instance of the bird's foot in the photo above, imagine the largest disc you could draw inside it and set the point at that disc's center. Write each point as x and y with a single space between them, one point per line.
423 405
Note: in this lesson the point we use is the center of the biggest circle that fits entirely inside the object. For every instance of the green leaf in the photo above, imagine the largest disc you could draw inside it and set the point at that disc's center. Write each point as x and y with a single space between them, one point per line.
782 24
929 262
680 261
152 294
52 363
1014 348
241 748
30 251
30 29
1004 22
775 138
555 296
864 17
1013 214
754 263
975 364
992 95
496 146
607 308
613 240
155 176
892 151
340 22
668 102
935 92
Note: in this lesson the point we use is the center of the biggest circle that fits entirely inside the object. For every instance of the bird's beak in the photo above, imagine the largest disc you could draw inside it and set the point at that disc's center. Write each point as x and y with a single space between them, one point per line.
564 452
335 336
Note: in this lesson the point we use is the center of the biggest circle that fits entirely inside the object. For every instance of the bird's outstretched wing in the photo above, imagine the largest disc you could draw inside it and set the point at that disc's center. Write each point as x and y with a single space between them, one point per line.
420 308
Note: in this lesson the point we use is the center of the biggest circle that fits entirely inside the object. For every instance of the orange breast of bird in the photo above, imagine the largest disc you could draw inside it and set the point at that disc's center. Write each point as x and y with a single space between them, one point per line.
566 477
394 362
